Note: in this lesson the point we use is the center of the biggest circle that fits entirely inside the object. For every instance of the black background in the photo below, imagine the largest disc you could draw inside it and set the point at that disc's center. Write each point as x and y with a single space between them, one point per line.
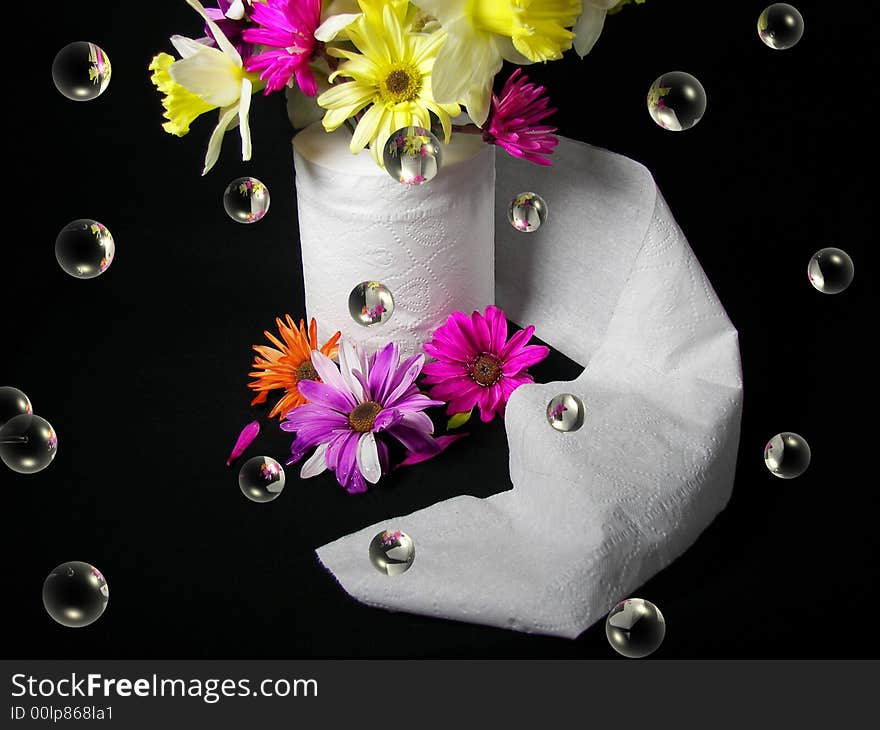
143 370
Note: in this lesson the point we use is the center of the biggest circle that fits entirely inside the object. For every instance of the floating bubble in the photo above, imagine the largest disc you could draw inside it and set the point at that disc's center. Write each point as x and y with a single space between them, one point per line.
84 248
787 455
81 71
392 552
246 200
780 26
261 479
635 628
13 403
831 270
677 101
565 412
27 443
412 155
370 303
527 212
75 594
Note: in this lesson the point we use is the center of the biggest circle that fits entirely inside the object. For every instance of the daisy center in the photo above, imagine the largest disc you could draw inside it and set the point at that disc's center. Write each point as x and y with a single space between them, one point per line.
306 371
401 83
486 370
362 418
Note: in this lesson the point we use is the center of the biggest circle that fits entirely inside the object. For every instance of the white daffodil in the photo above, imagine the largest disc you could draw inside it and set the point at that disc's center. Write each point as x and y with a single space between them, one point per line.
589 26
481 34
216 76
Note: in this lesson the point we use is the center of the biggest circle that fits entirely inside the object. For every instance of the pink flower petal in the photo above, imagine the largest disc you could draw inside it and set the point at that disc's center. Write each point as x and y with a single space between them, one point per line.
444 442
245 439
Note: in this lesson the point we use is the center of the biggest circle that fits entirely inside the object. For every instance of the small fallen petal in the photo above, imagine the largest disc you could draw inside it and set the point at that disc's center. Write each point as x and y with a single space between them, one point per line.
261 397
245 439
444 442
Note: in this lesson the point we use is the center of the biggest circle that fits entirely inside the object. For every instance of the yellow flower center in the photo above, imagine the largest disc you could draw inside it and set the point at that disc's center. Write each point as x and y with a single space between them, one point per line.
401 83
487 370
362 418
306 371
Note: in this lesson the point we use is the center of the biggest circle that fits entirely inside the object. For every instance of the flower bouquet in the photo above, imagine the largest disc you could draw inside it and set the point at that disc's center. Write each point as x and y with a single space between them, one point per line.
399 79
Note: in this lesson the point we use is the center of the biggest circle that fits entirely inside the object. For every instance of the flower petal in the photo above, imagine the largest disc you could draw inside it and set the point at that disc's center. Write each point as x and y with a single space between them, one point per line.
216 140
315 464
367 128
588 29
244 128
368 458
330 28
222 40
186 47
528 355
210 75
330 375
497 328
349 360
327 396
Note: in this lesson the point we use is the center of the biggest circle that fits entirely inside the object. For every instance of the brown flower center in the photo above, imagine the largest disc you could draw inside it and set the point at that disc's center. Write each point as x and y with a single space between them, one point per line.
363 417
486 370
306 371
403 83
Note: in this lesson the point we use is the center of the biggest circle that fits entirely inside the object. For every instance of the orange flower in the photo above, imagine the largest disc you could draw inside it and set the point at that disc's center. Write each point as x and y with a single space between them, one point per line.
289 364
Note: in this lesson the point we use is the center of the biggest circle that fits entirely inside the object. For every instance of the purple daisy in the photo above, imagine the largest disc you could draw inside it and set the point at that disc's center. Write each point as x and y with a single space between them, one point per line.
362 398
287 31
514 120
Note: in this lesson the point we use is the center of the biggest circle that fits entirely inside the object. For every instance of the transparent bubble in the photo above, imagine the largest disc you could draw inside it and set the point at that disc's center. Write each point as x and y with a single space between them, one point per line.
527 212
566 412
261 479
75 594
81 71
412 155
28 443
370 303
84 248
780 26
635 628
676 101
831 270
787 455
392 552
13 403
246 200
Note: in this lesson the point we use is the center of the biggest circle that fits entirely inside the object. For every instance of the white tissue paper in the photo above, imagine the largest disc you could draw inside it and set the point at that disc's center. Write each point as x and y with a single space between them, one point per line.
432 246
610 281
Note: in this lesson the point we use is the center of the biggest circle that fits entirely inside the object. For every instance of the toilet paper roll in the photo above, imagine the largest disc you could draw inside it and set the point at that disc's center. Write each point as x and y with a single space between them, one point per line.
432 246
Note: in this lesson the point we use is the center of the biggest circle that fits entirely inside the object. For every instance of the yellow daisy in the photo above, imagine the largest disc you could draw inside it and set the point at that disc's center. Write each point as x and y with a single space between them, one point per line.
391 75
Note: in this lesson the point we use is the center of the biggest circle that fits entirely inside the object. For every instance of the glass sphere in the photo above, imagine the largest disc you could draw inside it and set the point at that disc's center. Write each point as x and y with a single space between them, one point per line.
81 71
392 552
527 212
677 101
830 270
780 26
787 455
246 200
412 155
261 479
84 248
27 443
370 303
75 594
13 403
566 412
635 628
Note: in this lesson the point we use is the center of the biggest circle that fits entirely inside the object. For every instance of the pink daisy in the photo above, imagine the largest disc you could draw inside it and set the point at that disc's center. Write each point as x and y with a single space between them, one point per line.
352 407
514 120
476 364
287 30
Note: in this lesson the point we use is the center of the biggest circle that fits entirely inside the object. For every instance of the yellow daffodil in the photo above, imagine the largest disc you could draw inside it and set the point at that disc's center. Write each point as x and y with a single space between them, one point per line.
480 34
391 75
205 78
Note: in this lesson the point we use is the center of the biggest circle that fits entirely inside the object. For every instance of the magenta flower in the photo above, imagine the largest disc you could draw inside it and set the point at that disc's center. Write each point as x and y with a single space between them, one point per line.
355 403
514 120
476 364
287 30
